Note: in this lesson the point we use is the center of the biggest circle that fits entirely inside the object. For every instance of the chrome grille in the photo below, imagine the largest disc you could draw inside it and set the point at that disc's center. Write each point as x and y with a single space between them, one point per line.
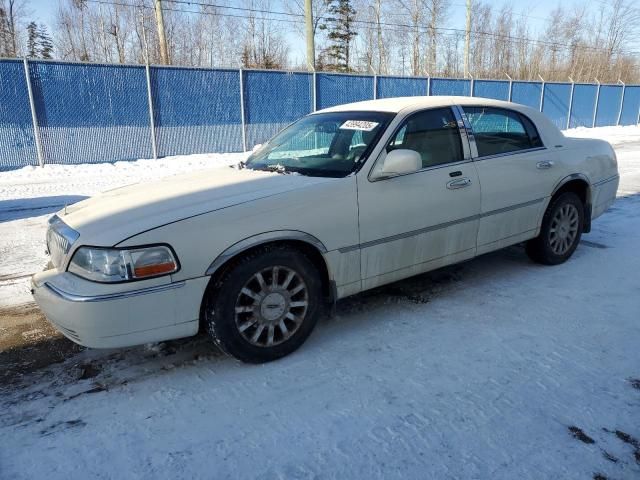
60 238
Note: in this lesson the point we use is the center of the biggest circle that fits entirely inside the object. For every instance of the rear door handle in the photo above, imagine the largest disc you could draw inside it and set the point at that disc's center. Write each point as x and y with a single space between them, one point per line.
544 165
459 183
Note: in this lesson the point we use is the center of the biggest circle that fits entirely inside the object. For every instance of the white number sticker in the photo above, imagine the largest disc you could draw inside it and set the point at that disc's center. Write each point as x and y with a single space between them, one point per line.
363 125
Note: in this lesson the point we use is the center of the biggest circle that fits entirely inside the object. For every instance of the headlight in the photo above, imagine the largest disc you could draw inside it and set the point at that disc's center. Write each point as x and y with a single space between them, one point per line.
121 265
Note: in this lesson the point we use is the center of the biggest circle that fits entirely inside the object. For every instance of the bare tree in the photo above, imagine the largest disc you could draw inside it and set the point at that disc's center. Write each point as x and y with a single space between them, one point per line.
13 14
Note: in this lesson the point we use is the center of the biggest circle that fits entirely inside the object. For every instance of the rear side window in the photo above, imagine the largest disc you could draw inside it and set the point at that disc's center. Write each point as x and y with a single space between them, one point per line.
433 134
497 130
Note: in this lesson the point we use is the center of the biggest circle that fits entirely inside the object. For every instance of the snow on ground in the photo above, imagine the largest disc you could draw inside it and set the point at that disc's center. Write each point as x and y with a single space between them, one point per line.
495 368
30 195
613 135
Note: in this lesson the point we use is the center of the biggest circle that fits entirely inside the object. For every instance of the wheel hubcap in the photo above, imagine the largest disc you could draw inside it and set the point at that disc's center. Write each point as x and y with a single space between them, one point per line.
271 306
564 229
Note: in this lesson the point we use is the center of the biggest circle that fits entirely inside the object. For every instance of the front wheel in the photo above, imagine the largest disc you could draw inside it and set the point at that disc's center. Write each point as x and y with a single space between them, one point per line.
560 232
265 306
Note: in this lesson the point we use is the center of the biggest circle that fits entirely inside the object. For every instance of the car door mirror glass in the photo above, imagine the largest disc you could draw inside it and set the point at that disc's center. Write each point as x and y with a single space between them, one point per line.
400 161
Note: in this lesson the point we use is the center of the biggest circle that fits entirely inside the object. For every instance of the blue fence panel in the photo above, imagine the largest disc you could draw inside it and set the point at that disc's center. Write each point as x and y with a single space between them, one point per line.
272 100
527 93
196 110
17 142
608 105
556 103
630 106
401 87
491 89
583 106
335 89
91 113
450 86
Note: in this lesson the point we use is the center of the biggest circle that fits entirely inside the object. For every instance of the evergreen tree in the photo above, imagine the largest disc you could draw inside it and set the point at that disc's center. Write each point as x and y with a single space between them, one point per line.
32 40
341 15
45 44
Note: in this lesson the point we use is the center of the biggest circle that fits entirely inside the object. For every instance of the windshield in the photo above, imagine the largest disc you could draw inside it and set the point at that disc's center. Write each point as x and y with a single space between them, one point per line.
325 144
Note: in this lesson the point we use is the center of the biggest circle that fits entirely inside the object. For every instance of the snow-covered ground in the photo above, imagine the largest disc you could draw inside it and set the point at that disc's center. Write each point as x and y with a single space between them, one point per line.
496 368
30 195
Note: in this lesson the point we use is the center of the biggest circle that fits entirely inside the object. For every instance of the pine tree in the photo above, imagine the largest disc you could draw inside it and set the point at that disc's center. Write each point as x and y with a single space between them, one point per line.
32 40
45 44
341 33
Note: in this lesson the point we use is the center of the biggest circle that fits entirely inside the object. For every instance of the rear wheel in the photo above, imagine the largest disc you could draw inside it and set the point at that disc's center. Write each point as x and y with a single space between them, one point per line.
560 232
265 306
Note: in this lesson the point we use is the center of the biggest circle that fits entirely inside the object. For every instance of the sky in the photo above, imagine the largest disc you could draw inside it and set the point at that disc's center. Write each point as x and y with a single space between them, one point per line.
44 11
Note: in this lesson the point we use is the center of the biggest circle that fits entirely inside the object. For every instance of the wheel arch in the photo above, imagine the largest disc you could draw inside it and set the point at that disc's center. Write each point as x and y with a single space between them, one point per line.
297 240
580 185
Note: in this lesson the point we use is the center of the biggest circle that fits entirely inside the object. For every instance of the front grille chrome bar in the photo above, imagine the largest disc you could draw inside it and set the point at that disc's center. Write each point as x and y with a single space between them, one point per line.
60 238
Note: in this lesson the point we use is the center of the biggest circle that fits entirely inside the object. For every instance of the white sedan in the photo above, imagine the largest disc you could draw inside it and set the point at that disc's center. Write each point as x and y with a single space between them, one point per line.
343 200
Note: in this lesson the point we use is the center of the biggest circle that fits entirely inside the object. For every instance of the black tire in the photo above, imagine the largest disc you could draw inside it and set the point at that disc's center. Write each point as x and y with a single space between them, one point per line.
225 296
541 249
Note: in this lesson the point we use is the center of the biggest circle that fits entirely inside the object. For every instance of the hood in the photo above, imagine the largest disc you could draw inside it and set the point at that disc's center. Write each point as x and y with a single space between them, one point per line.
112 216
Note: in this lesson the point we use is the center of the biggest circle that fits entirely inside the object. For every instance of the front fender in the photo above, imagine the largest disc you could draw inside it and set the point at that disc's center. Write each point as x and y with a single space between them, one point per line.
260 239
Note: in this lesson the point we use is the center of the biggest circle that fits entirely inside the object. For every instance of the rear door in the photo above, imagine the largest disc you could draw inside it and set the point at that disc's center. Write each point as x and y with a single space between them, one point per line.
420 220
515 173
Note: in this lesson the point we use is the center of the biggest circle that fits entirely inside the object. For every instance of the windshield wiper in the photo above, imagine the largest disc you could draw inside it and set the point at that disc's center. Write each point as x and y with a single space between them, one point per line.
276 168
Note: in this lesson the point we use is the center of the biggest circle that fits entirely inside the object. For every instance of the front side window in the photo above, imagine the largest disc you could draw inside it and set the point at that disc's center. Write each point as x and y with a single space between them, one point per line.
433 134
325 144
497 130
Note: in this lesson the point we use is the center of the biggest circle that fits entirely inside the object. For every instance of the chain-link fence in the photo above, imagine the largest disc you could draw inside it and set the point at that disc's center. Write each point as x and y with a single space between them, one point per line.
59 112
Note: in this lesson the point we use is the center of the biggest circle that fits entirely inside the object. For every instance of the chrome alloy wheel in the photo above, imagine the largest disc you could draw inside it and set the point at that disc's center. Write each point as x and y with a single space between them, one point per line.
271 306
564 229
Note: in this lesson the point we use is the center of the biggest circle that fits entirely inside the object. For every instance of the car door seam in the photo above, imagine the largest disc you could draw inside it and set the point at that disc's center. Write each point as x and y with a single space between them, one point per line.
439 226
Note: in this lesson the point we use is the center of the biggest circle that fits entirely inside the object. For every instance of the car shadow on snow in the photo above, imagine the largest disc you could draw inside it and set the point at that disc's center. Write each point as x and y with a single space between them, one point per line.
106 369
136 363
34 207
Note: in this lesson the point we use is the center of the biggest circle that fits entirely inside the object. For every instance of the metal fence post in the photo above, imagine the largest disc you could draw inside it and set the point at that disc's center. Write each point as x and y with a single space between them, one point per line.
428 85
34 118
595 107
242 121
315 101
472 84
375 86
573 86
152 121
624 86
510 86
541 92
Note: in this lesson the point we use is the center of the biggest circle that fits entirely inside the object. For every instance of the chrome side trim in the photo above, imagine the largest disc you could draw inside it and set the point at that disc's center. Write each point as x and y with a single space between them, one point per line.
513 207
260 239
71 297
506 154
439 226
606 180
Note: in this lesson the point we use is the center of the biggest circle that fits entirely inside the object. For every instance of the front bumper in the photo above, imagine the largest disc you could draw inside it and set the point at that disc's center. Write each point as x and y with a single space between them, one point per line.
112 316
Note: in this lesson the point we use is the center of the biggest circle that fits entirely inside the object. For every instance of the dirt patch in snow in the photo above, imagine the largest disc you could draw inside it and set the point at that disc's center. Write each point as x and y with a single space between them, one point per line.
28 342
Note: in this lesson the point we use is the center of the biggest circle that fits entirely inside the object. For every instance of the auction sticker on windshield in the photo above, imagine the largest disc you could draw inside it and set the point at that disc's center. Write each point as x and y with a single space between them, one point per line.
359 125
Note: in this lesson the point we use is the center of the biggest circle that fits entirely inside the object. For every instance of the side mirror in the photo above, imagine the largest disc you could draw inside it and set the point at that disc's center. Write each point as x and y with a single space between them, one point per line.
401 161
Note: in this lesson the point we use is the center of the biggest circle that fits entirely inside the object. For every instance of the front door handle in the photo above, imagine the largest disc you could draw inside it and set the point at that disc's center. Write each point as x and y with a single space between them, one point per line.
459 183
544 165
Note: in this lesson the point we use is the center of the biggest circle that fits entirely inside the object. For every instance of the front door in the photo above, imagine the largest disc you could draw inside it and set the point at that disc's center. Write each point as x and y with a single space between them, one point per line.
421 220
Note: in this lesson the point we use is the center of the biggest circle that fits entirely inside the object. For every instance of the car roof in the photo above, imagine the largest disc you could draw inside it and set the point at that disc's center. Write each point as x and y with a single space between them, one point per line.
398 104
550 133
